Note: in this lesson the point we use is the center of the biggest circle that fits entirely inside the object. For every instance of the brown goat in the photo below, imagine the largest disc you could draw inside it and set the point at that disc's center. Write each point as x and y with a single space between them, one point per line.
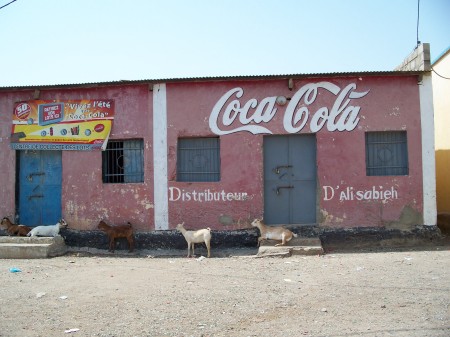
120 231
272 233
13 229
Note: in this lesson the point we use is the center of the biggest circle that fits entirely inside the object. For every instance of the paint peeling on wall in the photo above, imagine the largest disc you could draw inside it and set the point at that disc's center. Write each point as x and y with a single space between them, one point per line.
409 219
327 219
345 196
146 204
395 111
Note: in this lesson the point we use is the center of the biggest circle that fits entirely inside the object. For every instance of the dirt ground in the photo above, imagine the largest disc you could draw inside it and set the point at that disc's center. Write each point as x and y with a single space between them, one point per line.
385 293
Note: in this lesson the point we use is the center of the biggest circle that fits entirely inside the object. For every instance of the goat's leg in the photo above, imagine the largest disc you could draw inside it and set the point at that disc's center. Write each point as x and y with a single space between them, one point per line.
208 246
130 243
259 240
193 248
189 249
285 238
111 245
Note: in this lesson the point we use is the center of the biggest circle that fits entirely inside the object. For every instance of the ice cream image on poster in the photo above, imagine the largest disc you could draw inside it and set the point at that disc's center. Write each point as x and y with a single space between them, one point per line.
50 113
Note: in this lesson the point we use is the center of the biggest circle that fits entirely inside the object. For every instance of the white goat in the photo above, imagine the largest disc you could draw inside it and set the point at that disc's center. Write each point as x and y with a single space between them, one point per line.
52 230
193 237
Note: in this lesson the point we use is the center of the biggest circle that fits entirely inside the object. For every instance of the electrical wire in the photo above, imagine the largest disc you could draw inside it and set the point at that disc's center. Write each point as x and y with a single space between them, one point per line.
9 3
418 42
418 16
434 71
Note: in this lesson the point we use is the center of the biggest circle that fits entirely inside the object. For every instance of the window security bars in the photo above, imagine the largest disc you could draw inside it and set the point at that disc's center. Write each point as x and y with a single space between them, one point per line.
123 161
386 153
198 159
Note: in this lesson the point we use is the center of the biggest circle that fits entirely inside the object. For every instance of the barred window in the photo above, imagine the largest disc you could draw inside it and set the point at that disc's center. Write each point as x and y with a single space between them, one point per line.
386 153
198 159
123 161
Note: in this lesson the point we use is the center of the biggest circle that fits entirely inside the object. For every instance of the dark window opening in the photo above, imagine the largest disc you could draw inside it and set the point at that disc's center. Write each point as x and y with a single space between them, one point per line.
386 153
123 161
198 159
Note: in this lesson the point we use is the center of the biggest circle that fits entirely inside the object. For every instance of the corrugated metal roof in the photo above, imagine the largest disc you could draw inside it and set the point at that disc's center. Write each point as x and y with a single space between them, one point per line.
213 79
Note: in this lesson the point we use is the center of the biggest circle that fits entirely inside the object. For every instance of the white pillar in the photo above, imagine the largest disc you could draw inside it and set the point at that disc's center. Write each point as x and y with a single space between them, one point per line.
160 157
428 154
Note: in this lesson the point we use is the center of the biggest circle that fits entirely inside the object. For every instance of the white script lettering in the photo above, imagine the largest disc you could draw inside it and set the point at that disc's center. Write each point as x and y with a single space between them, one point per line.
341 117
328 193
177 194
264 113
349 194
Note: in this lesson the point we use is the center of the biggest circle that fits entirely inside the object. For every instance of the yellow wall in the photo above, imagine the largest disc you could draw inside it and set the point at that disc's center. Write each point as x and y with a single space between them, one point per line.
441 102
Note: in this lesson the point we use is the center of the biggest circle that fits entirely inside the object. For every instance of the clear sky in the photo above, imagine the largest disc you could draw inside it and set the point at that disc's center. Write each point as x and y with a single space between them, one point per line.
80 41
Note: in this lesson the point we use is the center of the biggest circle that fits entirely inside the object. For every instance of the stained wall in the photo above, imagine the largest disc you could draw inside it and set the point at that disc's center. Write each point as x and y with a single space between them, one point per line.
338 110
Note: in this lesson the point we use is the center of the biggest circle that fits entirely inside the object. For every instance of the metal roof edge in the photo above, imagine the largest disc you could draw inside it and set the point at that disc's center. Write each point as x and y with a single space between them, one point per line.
212 79
441 56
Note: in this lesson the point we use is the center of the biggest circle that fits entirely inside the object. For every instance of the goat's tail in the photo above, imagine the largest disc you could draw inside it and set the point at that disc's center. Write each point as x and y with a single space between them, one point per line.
295 235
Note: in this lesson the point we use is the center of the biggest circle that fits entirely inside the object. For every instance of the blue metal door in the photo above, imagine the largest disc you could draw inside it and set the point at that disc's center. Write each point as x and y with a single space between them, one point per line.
290 182
40 176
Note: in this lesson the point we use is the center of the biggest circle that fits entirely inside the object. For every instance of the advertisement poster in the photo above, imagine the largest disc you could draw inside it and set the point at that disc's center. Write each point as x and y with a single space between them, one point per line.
62 125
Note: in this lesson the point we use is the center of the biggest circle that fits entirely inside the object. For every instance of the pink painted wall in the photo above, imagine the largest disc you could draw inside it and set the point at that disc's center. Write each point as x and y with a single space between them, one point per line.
189 106
392 103
8 157
85 199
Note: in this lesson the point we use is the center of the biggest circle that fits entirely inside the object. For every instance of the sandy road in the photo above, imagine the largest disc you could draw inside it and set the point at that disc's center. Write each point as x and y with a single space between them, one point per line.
342 294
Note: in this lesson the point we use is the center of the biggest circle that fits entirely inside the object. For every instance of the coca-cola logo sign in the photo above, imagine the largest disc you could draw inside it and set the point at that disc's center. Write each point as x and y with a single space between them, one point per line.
253 115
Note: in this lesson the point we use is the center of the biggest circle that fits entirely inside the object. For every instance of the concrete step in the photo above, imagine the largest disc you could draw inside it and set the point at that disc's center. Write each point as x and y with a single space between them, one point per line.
14 247
297 246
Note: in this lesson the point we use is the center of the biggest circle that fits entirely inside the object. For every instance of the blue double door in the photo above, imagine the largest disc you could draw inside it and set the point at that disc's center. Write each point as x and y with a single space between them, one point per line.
290 179
39 182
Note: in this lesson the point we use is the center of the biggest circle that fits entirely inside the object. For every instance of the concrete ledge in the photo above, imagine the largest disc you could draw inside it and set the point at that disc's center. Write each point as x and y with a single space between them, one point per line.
13 247
295 242
330 239
301 250
288 251
297 246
